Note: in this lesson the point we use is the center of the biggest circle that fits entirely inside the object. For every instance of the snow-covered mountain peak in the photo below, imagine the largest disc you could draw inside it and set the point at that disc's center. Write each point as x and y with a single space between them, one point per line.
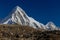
51 25
18 16
18 8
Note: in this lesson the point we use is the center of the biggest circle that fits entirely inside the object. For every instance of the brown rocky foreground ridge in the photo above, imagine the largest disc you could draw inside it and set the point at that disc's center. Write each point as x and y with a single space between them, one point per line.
18 32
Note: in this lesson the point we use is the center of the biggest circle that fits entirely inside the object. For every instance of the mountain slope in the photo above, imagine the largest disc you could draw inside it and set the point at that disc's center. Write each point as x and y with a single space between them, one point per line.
18 16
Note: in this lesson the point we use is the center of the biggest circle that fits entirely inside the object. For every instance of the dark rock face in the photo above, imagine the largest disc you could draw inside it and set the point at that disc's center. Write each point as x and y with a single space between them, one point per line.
18 32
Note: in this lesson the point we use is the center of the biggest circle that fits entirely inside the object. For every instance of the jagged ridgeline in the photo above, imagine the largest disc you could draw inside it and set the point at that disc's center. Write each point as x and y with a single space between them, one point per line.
18 16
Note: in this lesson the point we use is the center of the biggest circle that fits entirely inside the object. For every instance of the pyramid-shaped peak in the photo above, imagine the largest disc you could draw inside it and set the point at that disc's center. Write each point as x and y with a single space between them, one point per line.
18 8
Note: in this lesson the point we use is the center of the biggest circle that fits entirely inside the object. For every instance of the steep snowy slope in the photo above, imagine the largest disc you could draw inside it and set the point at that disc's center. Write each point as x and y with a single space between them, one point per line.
18 16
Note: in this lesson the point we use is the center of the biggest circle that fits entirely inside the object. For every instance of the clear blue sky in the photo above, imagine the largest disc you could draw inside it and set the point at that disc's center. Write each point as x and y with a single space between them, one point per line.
41 10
